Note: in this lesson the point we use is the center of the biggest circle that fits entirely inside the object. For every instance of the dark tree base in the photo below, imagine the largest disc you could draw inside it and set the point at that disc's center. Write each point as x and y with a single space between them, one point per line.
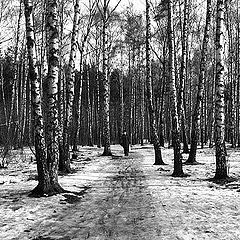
158 156
105 154
222 180
160 163
191 160
107 151
47 191
180 175
192 163
65 170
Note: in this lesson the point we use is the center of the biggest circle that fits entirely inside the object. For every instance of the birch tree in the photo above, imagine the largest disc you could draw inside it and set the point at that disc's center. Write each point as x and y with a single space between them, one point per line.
65 159
78 84
45 186
52 91
182 119
221 163
196 114
155 139
106 91
178 171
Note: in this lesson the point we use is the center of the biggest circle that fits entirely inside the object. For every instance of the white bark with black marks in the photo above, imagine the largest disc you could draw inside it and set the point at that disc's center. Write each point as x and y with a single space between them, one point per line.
178 171
39 141
221 163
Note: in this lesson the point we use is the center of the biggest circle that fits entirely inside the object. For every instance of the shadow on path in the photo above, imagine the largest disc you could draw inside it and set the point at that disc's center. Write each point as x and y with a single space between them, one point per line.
118 205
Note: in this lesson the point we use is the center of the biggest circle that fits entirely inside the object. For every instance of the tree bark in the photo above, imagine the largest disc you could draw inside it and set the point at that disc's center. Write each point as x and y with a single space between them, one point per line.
65 158
61 89
182 119
45 186
178 171
155 139
221 162
106 89
196 114
52 92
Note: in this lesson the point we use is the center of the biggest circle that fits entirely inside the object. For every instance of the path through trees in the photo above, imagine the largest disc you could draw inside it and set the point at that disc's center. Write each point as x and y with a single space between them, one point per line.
121 197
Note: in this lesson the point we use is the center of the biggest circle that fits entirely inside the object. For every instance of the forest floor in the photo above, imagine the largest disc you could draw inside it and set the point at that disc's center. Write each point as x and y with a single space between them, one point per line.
122 198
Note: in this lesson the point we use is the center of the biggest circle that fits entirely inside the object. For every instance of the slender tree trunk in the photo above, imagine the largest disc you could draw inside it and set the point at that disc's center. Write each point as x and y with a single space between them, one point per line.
106 90
65 159
77 102
89 109
99 135
182 119
154 137
142 110
163 92
196 114
3 160
3 95
178 171
28 110
12 116
121 106
221 162
52 92
231 78
24 101
61 82
212 113
44 184
238 81
131 94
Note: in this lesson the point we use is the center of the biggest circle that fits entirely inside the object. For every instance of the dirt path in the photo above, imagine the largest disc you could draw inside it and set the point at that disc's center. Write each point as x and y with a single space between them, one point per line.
124 198
117 206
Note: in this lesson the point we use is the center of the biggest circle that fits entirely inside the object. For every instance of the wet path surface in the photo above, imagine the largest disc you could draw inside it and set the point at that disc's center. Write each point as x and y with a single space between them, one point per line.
117 204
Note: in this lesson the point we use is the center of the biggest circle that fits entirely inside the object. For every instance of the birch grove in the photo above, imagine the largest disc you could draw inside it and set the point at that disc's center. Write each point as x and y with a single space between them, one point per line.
81 73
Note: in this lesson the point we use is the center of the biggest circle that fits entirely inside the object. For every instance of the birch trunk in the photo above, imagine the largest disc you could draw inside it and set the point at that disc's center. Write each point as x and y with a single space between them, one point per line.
221 162
65 159
155 139
12 115
44 184
52 130
106 90
77 99
178 171
182 120
89 109
196 114
61 89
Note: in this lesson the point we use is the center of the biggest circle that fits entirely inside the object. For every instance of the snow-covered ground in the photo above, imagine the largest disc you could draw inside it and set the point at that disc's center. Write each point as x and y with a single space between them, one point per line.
122 198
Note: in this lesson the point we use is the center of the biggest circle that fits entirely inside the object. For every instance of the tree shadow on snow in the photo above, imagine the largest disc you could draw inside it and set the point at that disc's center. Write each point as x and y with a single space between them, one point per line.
75 197
228 183
49 238
15 196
